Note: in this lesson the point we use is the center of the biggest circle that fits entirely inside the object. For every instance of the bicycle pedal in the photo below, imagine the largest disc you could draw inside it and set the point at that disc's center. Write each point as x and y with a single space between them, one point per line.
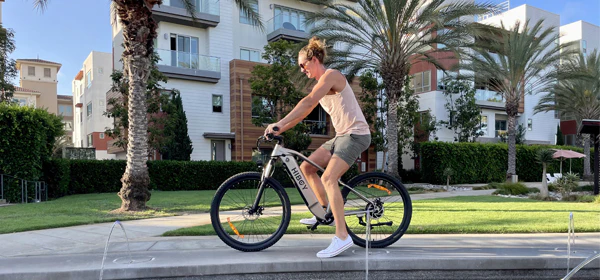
313 227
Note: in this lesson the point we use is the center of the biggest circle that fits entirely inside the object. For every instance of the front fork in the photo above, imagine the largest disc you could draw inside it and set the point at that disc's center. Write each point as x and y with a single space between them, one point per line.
267 172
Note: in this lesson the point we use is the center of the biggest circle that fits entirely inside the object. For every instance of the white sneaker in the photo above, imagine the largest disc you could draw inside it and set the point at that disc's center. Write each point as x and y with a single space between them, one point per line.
312 221
336 247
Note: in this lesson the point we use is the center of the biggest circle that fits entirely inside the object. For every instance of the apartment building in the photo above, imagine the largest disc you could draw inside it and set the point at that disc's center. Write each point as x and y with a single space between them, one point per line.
587 37
38 88
65 109
1 10
210 61
427 82
40 76
89 89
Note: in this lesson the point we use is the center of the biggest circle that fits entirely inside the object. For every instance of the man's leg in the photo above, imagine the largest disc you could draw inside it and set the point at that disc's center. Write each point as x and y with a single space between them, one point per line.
334 171
321 157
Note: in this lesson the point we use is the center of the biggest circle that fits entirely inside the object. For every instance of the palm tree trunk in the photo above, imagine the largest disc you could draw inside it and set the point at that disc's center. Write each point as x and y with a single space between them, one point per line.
587 173
392 137
512 146
139 30
544 190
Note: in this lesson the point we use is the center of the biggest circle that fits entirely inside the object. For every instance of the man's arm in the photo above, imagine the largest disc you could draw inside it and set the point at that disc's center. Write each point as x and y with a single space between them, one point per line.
308 103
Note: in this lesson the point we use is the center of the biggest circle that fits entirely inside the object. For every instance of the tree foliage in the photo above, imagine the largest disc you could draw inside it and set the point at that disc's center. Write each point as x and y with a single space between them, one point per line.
8 66
465 114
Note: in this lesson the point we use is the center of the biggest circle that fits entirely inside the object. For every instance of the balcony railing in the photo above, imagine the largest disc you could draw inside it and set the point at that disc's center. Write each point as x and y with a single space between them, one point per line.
286 26
189 60
212 7
316 127
488 95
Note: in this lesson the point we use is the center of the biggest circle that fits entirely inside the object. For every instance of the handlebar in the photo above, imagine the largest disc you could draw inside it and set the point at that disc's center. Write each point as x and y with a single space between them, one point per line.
269 138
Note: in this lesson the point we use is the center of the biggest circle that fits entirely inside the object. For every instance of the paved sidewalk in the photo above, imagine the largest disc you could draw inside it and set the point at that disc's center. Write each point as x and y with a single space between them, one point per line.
207 256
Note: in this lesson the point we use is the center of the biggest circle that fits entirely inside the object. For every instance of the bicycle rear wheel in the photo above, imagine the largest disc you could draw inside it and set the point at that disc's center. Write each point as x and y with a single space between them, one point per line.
390 213
240 227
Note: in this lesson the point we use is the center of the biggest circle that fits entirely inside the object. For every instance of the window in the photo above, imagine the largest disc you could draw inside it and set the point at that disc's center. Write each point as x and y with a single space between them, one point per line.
529 124
250 55
31 70
289 18
584 46
88 78
68 125
80 117
316 121
246 20
500 127
101 135
441 76
21 101
421 82
89 109
184 51
90 140
484 125
261 107
47 73
217 150
217 103
65 110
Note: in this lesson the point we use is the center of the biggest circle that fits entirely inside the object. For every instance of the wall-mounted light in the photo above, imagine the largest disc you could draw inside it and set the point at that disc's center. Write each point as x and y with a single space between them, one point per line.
271 6
166 36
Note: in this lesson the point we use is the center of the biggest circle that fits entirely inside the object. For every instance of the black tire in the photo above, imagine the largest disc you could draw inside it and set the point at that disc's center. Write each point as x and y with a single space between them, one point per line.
243 189
395 208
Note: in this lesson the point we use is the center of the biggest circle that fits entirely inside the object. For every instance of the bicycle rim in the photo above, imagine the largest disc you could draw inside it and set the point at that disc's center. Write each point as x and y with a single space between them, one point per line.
390 214
242 229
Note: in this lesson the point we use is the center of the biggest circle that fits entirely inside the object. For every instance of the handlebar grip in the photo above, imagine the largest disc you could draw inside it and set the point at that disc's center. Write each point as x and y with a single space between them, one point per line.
275 128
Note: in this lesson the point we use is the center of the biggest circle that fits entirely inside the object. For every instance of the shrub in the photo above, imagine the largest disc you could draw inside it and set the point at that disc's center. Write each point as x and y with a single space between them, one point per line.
586 198
484 162
27 137
512 189
566 184
533 190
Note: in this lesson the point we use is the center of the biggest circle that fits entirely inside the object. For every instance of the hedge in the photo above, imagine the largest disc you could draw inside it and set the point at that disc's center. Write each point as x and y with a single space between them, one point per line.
68 177
487 162
27 137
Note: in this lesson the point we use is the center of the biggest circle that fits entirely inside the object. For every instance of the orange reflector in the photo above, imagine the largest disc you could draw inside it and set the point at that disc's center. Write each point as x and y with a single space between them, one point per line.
234 229
381 188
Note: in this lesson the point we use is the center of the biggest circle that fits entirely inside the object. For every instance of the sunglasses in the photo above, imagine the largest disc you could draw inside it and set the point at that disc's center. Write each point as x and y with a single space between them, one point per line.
303 65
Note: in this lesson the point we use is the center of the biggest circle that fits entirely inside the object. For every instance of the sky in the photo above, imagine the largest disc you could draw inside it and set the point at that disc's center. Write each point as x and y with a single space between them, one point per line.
68 30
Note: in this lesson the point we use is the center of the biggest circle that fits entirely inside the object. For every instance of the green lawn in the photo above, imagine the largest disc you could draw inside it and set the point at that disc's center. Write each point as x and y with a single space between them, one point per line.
95 208
477 214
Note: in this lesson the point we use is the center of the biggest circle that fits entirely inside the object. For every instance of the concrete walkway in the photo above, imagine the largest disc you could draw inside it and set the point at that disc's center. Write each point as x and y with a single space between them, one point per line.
77 253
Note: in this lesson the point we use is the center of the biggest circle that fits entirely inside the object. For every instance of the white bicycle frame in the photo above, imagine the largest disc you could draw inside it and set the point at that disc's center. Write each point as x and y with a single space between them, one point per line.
293 170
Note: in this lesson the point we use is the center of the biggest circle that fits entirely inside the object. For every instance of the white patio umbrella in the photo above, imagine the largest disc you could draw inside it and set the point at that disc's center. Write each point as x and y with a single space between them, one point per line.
564 154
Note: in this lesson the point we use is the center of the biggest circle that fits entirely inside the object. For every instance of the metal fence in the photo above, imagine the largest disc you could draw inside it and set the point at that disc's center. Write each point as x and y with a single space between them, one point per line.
15 190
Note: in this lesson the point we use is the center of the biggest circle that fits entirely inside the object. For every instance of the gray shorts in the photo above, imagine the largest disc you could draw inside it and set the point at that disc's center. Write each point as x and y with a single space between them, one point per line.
348 147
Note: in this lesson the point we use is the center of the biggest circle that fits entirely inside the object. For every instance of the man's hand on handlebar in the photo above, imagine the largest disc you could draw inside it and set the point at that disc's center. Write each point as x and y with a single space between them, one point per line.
273 129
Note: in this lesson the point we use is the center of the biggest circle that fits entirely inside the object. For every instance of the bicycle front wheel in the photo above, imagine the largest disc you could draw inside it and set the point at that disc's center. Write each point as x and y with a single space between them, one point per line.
390 212
244 228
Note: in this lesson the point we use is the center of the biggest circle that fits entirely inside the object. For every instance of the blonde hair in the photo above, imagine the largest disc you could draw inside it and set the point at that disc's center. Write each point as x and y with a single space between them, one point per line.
315 48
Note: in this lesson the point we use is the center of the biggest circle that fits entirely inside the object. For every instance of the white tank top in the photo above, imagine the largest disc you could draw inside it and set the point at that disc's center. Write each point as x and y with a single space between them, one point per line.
346 115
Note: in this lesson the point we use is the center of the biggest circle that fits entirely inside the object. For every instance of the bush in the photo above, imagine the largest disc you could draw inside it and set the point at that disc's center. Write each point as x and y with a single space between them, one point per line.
586 198
537 196
533 190
27 137
566 184
512 189
57 175
485 162
411 176
597 200
67 177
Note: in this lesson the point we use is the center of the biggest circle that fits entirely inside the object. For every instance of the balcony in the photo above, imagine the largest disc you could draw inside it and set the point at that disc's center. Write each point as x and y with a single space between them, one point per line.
316 127
207 13
189 66
489 99
283 26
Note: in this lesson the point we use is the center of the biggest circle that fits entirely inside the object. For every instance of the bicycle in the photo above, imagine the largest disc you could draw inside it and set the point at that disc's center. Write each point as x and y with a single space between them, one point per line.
237 220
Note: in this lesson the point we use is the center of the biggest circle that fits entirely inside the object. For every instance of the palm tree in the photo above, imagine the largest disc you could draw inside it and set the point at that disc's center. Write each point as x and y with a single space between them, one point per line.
390 36
139 31
514 62
577 99
544 157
